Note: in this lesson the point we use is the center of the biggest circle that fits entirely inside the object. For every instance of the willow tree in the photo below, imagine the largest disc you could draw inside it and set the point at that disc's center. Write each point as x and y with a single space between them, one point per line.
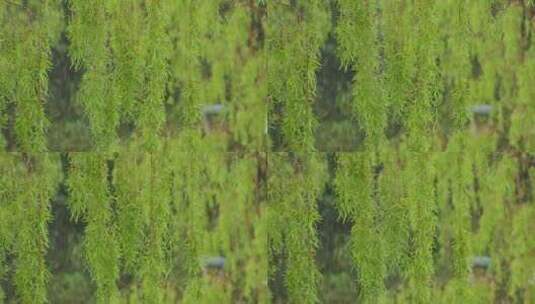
294 183
25 63
293 60
357 203
203 180
294 180
423 66
29 181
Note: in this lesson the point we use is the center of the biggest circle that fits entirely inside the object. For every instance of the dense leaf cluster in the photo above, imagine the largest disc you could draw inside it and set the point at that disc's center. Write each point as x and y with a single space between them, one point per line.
164 151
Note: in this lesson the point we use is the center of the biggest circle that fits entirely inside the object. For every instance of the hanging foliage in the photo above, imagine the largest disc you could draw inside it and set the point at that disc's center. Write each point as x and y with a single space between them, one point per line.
357 202
196 171
358 18
29 182
25 52
91 202
294 182
292 64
